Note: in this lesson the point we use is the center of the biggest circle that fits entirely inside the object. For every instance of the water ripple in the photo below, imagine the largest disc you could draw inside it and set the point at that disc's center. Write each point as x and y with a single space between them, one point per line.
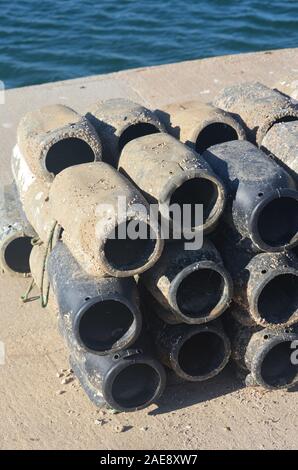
55 40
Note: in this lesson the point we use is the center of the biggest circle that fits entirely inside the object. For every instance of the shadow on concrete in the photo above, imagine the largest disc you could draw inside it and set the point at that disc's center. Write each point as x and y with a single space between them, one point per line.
182 395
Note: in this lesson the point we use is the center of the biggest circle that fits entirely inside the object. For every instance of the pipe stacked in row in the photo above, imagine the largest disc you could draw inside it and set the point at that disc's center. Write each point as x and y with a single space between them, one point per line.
132 308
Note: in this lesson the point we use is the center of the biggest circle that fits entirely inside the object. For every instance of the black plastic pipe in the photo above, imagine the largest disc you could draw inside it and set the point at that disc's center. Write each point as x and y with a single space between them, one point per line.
16 234
265 357
263 197
194 352
128 380
265 284
193 286
102 313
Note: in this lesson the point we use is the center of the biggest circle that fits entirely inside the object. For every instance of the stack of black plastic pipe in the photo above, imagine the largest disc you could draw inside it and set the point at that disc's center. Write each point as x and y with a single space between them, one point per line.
130 308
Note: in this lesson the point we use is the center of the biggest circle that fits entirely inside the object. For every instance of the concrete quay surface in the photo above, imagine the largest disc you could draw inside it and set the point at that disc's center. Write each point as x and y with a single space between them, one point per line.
38 410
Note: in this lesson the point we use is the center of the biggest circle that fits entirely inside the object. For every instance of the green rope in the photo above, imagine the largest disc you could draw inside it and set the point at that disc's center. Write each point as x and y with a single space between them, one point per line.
36 241
25 297
45 290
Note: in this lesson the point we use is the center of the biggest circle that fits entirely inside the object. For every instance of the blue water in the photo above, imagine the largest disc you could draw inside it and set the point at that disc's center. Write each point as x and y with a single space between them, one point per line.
43 40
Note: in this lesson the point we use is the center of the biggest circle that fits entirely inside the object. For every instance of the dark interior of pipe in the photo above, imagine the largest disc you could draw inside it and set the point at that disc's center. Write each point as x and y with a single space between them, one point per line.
277 368
196 191
104 324
200 292
136 130
215 133
68 152
201 354
278 300
278 221
17 255
124 253
135 385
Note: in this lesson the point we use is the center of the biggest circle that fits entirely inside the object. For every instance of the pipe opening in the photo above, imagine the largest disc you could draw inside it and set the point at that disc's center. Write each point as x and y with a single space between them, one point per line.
135 386
104 324
17 255
200 292
278 221
134 131
278 300
215 133
66 153
277 369
123 253
202 354
193 192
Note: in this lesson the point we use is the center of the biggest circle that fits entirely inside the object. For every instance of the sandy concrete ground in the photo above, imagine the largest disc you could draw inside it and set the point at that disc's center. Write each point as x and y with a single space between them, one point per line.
34 413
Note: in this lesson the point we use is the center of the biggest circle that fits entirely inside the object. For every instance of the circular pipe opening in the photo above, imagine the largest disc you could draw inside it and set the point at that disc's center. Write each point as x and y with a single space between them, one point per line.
134 131
277 370
193 192
104 324
17 255
202 354
135 386
123 253
200 292
278 300
215 133
66 153
277 222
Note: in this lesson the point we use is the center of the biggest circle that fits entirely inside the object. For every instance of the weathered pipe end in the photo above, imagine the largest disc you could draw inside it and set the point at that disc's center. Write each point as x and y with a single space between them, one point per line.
135 383
124 257
174 175
272 289
270 358
119 121
106 221
193 284
102 314
201 353
266 356
265 284
200 125
16 235
129 380
56 137
194 352
263 197
258 106
201 292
